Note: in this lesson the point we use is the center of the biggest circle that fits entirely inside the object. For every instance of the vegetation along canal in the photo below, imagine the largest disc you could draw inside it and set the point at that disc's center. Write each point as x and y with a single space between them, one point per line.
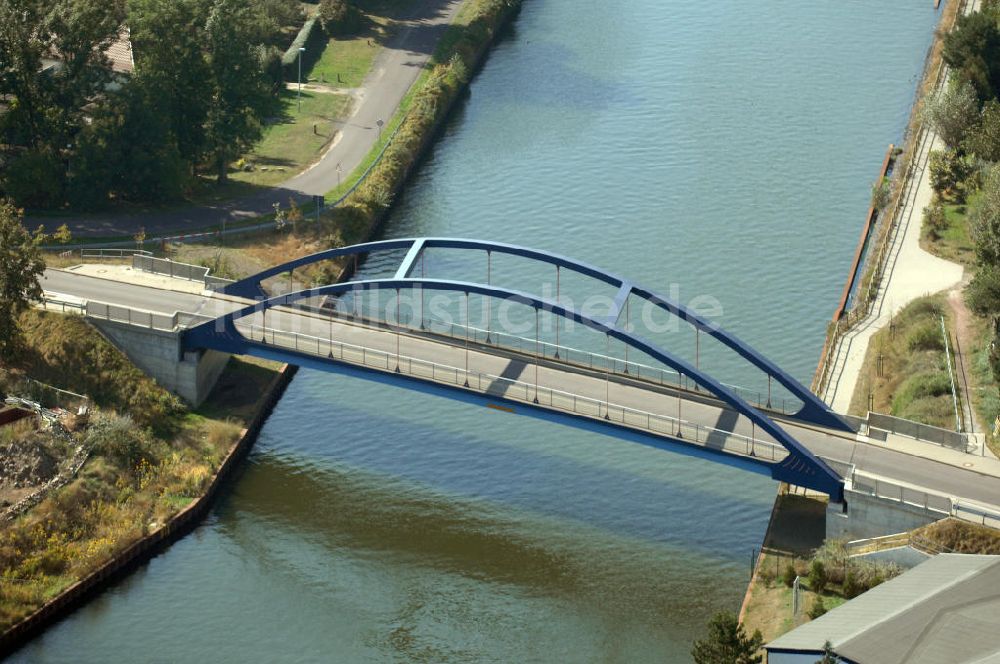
659 140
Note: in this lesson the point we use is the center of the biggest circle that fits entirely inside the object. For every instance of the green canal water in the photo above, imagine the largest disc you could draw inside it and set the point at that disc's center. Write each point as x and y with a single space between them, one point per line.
717 148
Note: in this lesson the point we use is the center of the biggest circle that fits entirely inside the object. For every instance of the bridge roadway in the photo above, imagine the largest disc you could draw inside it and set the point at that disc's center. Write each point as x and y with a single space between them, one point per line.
592 387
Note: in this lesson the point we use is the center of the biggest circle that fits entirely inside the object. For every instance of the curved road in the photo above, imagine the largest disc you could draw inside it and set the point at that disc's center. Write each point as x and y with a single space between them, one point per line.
394 71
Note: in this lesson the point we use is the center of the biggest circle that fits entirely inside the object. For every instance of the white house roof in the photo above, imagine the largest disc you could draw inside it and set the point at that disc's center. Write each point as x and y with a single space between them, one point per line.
946 609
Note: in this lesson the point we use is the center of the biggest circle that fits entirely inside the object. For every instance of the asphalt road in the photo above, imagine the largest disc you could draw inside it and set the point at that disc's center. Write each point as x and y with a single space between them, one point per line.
870 458
394 71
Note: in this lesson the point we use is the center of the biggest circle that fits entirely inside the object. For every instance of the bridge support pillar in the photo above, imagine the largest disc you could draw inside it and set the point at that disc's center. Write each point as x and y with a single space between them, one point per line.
867 516
191 375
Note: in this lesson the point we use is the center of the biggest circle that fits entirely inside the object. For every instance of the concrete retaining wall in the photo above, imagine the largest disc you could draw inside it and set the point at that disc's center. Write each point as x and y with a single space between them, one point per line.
191 375
868 516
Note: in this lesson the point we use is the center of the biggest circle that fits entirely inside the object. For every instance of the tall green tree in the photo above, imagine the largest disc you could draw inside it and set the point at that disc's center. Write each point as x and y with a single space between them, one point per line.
984 218
239 95
171 71
953 113
727 643
983 140
21 265
972 49
53 71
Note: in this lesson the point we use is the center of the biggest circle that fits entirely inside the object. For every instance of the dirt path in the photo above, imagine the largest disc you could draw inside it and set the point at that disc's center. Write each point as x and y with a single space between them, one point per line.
964 345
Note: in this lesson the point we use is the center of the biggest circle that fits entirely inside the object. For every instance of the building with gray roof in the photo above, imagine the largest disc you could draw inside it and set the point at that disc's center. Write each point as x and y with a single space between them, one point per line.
943 611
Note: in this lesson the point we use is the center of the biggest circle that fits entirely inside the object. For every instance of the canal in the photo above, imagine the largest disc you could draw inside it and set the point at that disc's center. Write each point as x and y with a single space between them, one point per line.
722 149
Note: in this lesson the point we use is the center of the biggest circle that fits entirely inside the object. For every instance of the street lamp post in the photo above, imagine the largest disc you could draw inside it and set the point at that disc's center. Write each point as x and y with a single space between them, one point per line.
302 49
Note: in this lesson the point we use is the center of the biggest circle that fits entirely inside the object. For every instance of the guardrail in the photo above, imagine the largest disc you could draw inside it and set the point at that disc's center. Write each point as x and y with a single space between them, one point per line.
513 390
170 268
105 252
925 432
150 320
566 354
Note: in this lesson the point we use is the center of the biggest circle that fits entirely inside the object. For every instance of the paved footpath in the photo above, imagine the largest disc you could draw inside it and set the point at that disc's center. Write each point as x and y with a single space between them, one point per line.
393 73
910 273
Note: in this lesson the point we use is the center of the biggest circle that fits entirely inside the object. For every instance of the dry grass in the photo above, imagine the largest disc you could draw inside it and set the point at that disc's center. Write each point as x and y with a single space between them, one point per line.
962 537
132 483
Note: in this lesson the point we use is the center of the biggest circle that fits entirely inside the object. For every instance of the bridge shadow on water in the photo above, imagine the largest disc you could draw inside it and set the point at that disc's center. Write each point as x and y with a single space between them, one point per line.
461 452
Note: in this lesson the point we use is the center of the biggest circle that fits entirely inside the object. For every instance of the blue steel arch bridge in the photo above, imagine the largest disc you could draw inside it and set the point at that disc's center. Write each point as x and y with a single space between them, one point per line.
314 327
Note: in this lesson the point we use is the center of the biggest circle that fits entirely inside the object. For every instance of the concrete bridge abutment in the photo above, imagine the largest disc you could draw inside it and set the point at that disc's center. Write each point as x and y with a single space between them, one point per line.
190 375
867 516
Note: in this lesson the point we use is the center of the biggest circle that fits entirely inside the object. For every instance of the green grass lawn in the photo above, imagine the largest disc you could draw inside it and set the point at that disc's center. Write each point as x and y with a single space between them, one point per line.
954 242
292 143
345 62
914 381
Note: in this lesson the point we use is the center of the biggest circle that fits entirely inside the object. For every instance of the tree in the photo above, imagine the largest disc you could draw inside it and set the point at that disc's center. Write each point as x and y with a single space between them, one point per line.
238 84
829 657
953 113
948 171
727 643
983 292
972 49
47 106
63 235
171 70
817 577
984 219
21 265
983 140
338 17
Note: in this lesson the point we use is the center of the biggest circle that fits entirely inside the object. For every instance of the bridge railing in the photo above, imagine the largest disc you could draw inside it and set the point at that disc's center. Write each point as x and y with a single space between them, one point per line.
514 390
565 354
602 362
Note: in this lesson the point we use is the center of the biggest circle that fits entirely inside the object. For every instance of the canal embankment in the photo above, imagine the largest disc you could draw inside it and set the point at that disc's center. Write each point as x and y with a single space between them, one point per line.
152 471
889 270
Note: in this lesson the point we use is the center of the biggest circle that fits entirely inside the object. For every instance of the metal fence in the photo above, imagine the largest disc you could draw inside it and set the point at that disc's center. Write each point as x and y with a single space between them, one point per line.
905 495
944 437
100 253
170 268
513 390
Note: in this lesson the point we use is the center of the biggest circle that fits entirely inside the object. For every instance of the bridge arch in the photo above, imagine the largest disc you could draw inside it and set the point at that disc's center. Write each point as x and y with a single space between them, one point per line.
800 467
814 410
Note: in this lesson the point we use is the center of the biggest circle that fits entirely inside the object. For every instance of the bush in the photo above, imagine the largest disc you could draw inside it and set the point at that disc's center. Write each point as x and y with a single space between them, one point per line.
926 337
983 292
935 220
851 587
788 576
818 608
817 577
118 439
948 170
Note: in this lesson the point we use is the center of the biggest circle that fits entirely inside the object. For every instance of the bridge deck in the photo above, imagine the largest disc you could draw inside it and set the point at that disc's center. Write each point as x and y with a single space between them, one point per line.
568 388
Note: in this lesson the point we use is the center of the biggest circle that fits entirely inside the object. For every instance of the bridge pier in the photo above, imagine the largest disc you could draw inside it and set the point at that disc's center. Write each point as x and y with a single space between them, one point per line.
191 375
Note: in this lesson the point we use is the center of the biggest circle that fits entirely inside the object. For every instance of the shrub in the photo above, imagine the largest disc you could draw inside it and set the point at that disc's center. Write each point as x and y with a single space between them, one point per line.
925 337
118 439
935 220
817 576
788 576
818 608
851 588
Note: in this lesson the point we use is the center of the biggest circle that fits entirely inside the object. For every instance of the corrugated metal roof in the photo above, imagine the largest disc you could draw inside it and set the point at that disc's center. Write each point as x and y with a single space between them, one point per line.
944 610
